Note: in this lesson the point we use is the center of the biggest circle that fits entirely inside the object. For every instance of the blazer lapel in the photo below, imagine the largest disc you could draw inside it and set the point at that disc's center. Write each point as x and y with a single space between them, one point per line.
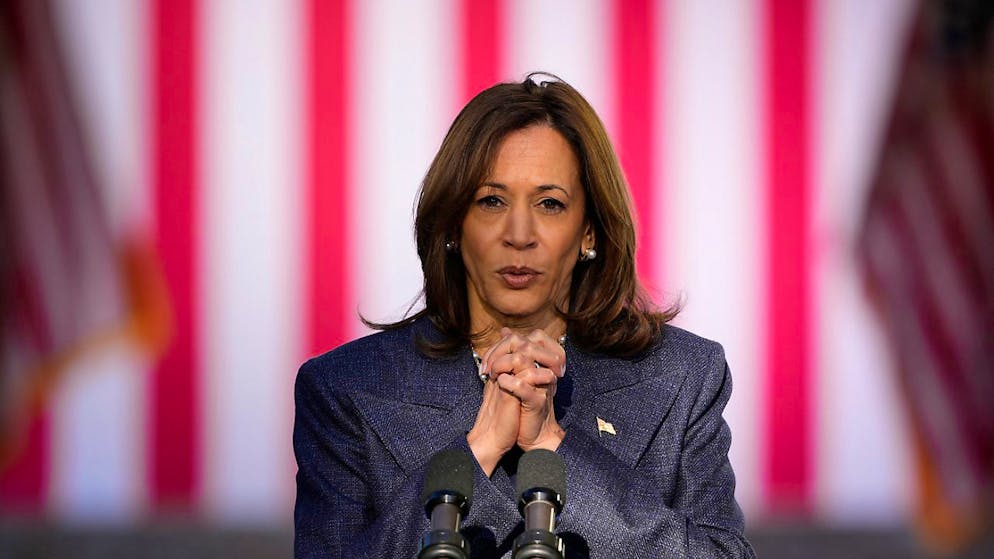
438 401
621 403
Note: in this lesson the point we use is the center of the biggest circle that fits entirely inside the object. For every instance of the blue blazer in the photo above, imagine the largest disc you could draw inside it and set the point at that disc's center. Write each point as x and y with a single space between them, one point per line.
371 413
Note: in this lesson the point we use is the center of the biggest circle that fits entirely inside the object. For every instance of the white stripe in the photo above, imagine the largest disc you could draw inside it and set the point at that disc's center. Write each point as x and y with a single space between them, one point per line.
98 418
98 424
712 214
251 184
569 38
403 95
110 74
863 459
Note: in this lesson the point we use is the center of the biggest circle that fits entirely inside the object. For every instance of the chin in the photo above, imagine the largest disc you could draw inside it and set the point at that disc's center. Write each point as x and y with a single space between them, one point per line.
523 311
517 311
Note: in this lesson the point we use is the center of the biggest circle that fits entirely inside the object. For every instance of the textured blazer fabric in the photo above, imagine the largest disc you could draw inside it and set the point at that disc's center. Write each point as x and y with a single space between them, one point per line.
646 451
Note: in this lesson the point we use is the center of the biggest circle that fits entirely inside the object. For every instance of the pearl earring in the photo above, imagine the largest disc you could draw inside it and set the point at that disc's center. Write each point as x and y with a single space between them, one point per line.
451 246
588 255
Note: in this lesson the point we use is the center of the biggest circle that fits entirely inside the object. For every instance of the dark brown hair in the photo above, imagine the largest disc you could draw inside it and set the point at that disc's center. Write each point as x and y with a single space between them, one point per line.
609 312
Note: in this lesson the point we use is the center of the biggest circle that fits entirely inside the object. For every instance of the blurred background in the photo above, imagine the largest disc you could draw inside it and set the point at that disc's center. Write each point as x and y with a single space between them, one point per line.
197 195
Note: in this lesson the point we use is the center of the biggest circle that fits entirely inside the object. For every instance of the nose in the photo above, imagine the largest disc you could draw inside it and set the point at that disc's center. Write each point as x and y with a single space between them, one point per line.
519 228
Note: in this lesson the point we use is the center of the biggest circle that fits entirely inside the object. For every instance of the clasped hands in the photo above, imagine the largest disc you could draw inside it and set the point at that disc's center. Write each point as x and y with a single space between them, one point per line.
517 406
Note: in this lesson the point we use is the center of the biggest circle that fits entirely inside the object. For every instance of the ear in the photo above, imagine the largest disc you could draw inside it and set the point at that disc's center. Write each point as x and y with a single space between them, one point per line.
589 239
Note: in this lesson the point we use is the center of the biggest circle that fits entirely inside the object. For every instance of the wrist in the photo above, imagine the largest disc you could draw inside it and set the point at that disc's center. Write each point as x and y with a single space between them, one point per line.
487 455
549 441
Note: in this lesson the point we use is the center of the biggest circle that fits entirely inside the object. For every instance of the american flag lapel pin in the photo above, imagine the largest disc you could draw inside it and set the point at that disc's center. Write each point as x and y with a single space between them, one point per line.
605 427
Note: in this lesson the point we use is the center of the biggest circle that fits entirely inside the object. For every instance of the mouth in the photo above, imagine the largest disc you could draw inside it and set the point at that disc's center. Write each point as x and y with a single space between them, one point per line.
518 277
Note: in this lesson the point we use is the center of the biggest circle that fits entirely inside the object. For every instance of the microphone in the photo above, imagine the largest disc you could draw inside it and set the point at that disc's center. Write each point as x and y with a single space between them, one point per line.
447 495
542 486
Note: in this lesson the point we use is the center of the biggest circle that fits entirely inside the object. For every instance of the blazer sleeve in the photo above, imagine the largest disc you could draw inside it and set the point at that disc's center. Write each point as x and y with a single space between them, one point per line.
624 509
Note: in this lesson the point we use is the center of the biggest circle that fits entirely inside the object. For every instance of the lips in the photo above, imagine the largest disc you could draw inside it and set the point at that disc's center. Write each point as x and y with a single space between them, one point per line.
518 277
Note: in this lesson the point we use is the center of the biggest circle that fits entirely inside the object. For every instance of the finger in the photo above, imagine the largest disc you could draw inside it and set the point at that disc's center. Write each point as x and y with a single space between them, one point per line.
538 377
497 421
532 396
513 363
529 398
504 346
528 356
528 394
541 337
538 346
485 360
497 403
556 359
553 358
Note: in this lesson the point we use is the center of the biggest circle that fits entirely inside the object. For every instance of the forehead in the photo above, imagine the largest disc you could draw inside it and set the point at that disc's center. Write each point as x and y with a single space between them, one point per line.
534 156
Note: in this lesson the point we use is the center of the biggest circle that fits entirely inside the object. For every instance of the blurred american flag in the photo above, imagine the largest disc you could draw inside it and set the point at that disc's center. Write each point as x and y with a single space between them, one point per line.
928 246
71 283
272 150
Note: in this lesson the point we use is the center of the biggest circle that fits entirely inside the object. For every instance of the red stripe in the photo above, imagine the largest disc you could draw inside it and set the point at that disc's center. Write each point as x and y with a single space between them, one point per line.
636 95
24 481
788 464
329 105
174 432
950 234
941 189
976 116
952 371
28 316
482 30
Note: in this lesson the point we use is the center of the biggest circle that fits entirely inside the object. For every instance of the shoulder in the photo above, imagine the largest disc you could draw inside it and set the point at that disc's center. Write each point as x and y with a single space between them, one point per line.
361 363
682 357
676 359
679 347
699 363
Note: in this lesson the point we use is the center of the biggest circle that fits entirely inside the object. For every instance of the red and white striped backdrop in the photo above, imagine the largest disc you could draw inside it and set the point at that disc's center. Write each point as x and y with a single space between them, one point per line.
274 149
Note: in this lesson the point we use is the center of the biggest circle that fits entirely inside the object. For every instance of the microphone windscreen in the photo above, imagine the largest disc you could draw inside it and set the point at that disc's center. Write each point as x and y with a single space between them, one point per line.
542 468
449 471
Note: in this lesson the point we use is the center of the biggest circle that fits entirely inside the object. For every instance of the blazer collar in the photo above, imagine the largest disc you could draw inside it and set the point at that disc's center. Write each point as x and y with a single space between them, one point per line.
596 374
438 400
440 383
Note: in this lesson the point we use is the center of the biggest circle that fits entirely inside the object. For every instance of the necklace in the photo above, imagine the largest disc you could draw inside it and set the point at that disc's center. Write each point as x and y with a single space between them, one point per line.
484 377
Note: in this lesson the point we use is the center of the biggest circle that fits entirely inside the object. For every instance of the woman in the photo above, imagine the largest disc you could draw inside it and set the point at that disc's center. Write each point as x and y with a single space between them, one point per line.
535 334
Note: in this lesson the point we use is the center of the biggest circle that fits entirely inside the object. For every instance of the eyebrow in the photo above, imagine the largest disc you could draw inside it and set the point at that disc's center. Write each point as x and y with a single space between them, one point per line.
540 188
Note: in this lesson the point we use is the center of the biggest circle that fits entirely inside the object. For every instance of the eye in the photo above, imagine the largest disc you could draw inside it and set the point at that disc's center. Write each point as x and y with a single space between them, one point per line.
551 205
490 202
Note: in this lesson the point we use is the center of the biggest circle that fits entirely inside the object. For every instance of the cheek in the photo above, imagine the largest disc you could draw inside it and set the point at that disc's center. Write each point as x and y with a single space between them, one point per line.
566 265
473 259
469 263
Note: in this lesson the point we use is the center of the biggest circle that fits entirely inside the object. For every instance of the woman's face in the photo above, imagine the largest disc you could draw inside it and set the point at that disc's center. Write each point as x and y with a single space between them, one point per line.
524 232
